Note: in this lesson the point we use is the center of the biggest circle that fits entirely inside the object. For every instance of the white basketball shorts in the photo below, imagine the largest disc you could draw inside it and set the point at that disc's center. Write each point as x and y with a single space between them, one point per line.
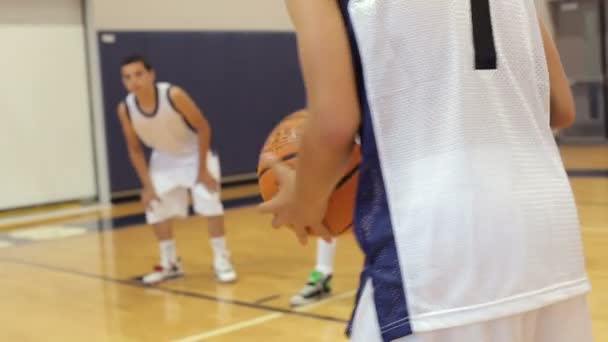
173 177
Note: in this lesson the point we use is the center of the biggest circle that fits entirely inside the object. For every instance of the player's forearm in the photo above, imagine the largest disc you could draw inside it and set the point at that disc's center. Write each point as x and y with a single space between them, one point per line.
321 162
138 160
326 62
562 106
204 141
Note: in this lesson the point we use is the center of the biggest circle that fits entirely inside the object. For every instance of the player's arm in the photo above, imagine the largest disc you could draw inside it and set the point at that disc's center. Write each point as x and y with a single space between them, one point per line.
328 138
194 116
562 102
136 152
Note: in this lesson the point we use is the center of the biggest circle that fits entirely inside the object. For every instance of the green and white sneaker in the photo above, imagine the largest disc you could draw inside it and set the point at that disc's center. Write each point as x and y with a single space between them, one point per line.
317 287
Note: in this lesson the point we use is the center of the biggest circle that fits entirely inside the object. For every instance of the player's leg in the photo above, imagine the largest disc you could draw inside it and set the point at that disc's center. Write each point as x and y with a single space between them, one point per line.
318 284
224 270
209 204
216 226
164 235
160 214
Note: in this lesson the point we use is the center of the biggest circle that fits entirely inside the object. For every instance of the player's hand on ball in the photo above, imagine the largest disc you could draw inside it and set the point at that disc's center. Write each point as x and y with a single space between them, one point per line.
285 209
148 195
208 181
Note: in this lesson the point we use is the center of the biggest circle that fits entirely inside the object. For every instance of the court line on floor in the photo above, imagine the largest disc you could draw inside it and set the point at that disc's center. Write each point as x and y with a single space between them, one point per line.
267 299
261 319
587 173
176 291
231 328
53 214
105 222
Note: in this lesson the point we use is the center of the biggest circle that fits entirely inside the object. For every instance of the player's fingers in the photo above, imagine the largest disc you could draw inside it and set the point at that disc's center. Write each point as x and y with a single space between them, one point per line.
280 170
274 204
275 222
302 234
149 203
271 206
322 231
213 186
279 221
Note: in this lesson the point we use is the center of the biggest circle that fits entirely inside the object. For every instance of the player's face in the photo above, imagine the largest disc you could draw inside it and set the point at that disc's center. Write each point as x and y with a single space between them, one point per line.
135 77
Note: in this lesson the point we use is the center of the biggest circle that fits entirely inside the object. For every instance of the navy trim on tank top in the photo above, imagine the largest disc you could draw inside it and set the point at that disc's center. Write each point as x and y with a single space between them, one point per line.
172 104
373 225
155 111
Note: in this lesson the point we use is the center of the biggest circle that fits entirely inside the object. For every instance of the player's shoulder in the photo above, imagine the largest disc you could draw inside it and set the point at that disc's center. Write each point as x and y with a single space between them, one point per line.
124 103
176 93
122 107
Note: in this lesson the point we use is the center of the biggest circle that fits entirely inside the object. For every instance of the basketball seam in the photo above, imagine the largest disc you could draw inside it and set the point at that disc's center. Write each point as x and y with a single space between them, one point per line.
343 181
348 176
284 159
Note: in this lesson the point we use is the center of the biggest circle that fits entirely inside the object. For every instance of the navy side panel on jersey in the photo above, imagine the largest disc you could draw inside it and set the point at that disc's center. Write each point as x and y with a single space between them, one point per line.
373 226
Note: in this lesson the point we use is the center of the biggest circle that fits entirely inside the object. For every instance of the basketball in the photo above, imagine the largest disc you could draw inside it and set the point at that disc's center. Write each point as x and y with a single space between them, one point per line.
283 142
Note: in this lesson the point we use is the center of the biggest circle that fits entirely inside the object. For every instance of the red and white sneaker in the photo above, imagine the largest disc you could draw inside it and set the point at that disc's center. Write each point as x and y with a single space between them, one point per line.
161 274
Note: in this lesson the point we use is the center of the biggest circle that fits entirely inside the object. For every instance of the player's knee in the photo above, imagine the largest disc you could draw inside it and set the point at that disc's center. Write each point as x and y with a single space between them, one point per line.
209 208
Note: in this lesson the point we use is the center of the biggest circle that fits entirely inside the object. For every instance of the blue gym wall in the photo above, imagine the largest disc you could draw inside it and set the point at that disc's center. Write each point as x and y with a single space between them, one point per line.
245 82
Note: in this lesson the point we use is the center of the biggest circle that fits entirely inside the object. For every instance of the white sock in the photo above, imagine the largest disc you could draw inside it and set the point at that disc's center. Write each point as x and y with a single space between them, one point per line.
325 256
167 253
218 245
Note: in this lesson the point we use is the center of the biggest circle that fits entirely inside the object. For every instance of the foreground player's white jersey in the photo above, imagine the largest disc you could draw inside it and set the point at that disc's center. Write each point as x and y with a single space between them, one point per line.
165 129
464 210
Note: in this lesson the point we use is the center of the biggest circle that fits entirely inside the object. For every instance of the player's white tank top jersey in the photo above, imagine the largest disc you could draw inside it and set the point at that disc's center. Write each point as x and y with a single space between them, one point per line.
164 129
464 209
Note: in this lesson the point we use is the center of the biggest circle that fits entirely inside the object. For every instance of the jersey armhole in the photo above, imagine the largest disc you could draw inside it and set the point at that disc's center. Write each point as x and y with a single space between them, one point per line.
174 107
124 103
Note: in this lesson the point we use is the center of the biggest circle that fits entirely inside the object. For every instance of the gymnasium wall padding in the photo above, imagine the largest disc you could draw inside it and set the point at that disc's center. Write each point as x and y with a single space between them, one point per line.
45 132
245 82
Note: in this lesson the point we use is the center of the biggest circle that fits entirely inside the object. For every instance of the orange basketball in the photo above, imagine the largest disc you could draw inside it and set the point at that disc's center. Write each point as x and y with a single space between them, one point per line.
283 142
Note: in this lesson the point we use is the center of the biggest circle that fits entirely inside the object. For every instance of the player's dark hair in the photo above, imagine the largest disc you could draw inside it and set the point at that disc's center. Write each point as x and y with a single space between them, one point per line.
136 58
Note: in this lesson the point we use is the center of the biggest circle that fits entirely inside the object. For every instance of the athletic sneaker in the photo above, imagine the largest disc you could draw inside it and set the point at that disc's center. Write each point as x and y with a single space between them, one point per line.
161 274
317 287
224 271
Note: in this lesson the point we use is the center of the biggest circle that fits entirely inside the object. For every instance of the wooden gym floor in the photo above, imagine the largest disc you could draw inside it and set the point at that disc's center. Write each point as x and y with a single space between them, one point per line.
70 280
